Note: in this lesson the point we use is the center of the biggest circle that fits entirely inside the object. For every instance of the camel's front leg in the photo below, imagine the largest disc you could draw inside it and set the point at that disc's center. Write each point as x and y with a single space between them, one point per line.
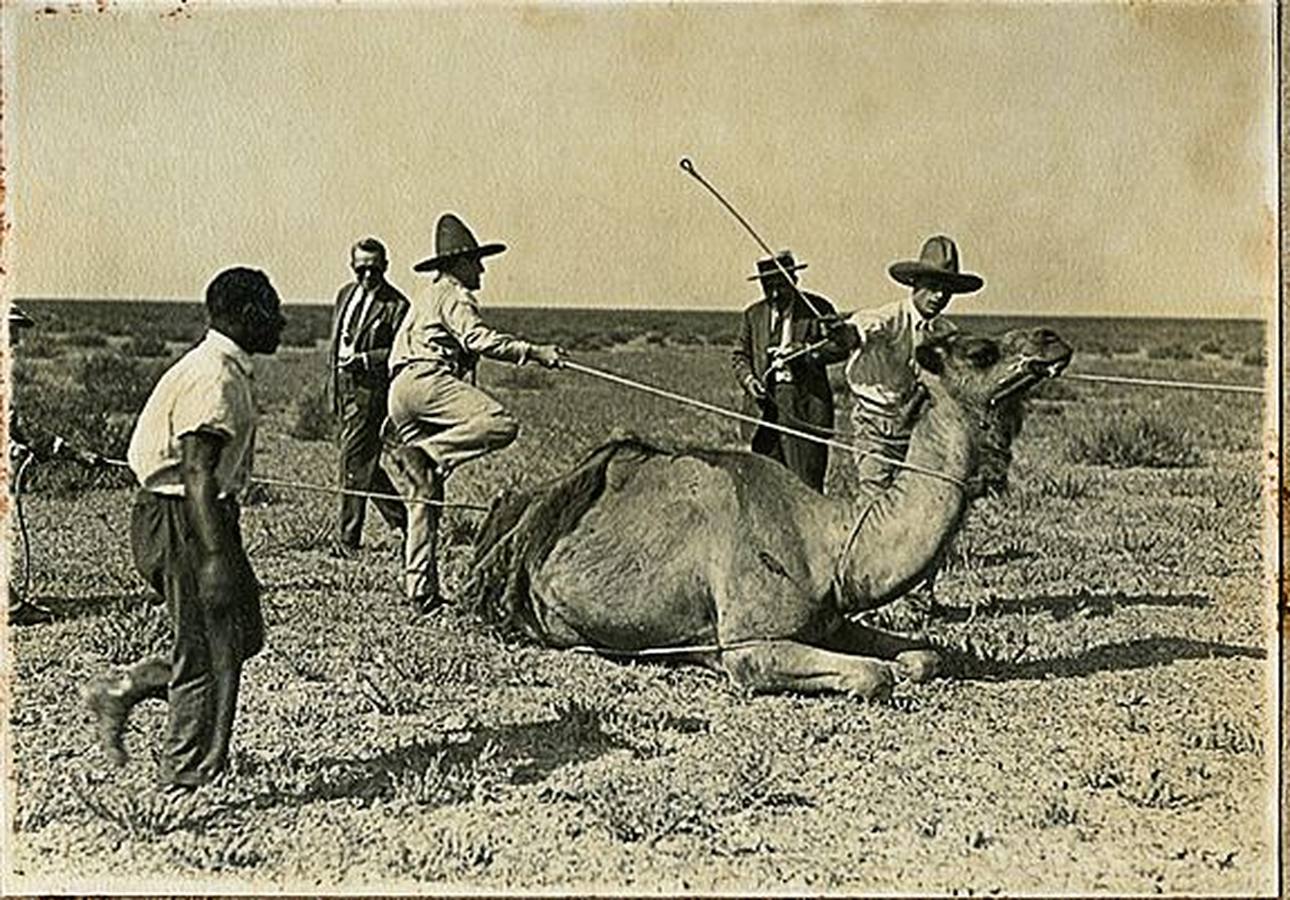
788 666
915 660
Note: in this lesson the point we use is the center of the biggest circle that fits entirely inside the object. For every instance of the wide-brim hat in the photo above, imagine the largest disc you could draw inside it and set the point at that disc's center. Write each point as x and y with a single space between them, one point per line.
19 319
771 265
937 266
453 241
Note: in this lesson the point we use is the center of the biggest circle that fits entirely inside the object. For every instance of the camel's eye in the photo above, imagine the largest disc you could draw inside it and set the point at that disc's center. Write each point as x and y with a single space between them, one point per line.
983 354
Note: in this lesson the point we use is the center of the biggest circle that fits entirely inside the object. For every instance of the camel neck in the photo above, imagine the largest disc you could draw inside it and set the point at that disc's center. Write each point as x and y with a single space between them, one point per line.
902 530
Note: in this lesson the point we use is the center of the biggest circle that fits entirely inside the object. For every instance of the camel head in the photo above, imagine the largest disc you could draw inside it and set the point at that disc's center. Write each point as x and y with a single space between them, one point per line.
986 378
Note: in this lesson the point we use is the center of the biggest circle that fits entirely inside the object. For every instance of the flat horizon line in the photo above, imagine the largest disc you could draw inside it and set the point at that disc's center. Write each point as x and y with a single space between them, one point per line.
668 309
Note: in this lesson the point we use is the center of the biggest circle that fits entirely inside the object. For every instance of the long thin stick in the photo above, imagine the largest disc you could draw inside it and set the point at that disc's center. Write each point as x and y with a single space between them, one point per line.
688 167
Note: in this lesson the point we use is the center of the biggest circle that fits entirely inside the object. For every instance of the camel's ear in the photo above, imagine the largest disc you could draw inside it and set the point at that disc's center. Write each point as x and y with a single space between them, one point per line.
931 357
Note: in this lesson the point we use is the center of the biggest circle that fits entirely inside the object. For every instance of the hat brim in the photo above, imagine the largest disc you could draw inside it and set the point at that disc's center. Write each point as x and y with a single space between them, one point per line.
773 272
438 262
918 274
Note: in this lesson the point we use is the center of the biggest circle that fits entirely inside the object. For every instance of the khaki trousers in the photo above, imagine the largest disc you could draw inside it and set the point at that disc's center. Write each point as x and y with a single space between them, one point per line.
881 438
441 422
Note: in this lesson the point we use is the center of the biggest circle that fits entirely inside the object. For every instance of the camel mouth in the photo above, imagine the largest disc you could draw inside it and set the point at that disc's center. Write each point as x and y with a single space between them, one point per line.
1027 373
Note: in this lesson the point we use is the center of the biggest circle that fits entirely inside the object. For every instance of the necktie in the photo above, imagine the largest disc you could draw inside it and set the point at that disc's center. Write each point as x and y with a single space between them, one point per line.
353 317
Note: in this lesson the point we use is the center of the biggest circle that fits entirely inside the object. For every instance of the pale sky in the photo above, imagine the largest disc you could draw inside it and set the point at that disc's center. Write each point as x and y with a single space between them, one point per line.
1088 158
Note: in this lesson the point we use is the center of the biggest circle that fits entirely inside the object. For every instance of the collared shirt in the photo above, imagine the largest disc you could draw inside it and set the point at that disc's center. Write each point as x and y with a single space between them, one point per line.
781 322
880 371
356 308
208 389
443 327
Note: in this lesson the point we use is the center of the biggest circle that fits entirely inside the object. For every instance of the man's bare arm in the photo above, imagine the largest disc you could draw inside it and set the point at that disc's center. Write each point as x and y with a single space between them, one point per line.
218 564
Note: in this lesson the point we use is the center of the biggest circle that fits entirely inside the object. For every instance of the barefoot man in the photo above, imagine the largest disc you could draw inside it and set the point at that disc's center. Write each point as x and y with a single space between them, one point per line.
191 451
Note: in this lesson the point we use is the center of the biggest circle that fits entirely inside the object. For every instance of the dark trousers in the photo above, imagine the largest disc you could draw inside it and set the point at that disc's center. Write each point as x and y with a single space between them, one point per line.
213 637
362 410
808 460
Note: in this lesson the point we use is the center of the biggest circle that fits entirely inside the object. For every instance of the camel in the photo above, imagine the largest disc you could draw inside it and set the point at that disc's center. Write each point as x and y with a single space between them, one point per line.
728 552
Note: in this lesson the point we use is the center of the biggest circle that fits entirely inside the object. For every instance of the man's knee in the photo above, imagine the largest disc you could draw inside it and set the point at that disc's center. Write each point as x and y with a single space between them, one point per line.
499 428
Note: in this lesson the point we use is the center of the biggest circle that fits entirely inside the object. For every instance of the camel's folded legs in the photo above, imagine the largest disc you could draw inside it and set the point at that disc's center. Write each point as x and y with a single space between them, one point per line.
788 666
916 660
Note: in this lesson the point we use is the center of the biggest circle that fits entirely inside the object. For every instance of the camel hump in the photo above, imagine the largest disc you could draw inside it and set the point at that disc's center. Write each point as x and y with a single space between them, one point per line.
523 526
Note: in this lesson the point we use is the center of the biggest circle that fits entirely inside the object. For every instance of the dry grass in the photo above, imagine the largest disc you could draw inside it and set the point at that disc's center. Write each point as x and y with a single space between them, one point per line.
1106 733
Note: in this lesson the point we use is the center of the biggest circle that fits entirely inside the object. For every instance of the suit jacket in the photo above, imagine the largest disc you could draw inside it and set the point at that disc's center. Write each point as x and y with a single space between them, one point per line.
375 335
808 398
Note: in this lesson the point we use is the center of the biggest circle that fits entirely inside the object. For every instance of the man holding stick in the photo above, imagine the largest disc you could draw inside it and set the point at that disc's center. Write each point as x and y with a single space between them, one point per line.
781 360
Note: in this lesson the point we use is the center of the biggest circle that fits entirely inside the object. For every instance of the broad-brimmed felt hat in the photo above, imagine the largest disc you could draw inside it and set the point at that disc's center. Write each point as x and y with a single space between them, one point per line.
938 267
767 267
452 241
19 319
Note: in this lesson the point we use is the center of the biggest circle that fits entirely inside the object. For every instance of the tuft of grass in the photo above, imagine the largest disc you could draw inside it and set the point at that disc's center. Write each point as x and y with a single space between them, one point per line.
1156 790
1255 358
145 345
1226 736
130 630
1066 486
523 378
1057 813
1133 442
453 775
87 339
148 815
1176 351
217 853
453 854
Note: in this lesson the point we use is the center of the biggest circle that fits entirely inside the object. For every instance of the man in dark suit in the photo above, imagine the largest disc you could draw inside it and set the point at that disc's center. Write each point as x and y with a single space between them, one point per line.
368 312
786 342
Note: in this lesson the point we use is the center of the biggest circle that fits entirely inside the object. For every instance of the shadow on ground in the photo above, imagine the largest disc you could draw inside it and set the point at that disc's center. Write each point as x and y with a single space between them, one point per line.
89 605
431 773
1127 656
1064 606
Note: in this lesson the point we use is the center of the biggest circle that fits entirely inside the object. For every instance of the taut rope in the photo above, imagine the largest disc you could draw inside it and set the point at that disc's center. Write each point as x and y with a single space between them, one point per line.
323 489
731 414
1160 382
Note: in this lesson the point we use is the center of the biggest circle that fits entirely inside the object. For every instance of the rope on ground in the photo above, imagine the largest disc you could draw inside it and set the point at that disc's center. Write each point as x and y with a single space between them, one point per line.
1160 382
668 651
731 414
323 489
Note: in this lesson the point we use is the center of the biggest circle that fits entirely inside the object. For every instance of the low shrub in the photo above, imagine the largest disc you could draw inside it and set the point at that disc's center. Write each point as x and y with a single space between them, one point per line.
1171 351
523 378
1135 442
145 345
311 417
88 339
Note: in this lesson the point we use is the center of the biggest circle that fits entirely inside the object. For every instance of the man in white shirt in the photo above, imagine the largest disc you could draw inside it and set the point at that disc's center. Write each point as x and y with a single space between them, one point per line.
881 370
192 450
439 419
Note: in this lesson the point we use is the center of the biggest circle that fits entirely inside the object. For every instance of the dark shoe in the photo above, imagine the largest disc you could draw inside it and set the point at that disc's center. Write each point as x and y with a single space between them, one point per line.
343 550
107 700
27 613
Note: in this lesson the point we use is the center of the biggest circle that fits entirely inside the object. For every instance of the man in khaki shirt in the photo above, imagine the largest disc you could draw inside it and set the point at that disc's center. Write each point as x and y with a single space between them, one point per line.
438 417
881 371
